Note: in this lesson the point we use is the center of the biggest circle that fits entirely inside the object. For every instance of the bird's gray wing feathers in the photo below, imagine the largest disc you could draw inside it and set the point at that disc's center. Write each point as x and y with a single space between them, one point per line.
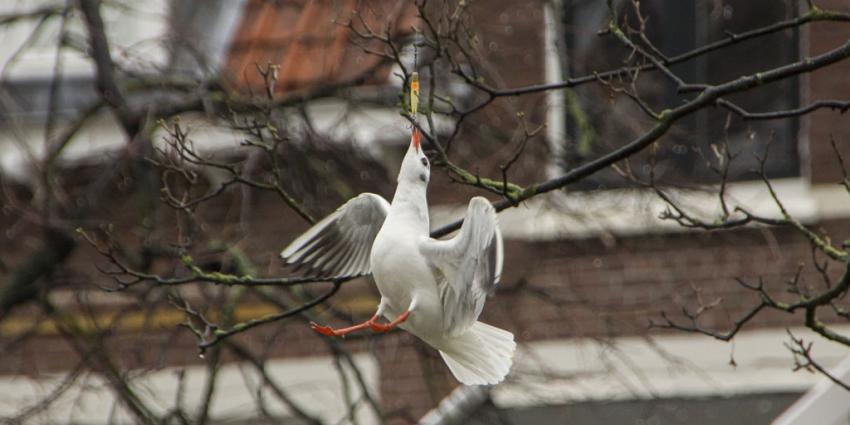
468 266
340 244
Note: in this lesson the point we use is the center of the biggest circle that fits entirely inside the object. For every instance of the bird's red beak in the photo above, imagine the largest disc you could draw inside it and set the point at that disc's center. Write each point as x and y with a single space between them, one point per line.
414 140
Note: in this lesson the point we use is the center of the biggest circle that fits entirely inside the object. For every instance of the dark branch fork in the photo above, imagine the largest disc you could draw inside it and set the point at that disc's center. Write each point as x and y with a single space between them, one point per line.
836 105
814 15
666 119
809 301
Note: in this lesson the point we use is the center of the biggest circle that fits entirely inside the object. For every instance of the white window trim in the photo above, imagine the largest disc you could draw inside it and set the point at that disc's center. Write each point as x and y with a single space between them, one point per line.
312 383
556 124
633 212
628 368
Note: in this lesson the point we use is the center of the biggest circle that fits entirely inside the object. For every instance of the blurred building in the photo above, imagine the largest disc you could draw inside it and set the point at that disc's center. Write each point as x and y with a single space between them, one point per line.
585 272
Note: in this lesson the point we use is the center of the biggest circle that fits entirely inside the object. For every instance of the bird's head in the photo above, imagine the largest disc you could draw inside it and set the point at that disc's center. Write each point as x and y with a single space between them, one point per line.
415 168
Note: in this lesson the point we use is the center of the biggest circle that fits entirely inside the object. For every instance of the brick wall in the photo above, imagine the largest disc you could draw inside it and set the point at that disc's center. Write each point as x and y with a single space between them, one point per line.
832 83
582 288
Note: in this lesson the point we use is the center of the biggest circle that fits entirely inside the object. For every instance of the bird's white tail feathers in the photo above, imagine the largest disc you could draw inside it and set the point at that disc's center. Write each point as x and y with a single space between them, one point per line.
482 355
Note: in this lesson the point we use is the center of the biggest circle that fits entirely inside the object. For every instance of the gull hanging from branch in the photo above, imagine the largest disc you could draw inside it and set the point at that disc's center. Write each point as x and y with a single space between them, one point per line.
434 289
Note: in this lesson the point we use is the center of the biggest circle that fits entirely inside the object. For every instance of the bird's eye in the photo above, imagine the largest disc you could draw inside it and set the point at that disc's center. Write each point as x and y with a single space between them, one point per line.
425 161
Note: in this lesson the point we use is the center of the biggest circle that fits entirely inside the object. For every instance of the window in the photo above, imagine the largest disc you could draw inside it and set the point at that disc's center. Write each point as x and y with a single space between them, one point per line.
598 122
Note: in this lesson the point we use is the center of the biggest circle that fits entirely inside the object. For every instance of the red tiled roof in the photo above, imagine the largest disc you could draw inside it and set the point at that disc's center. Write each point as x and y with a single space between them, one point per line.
310 42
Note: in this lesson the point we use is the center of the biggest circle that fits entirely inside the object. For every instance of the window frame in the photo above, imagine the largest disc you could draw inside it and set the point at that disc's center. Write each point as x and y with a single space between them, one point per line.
819 201
558 123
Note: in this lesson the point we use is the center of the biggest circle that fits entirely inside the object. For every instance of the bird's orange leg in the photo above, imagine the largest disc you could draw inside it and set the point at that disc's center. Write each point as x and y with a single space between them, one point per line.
328 331
378 327
371 323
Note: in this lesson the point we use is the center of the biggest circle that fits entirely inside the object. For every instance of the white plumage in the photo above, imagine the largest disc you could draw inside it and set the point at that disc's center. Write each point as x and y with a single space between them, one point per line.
434 289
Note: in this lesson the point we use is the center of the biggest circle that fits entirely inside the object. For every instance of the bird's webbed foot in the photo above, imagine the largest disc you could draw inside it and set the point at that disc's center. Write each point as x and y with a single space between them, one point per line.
380 327
325 330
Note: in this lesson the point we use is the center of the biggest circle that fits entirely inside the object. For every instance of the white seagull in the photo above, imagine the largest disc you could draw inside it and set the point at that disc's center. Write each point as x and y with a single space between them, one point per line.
434 289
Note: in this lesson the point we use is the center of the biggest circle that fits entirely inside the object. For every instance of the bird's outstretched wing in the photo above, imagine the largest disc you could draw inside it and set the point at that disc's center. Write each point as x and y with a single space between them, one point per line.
340 244
468 266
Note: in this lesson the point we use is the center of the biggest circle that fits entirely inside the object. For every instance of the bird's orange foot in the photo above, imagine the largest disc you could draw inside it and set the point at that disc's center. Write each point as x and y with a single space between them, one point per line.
378 327
324 330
